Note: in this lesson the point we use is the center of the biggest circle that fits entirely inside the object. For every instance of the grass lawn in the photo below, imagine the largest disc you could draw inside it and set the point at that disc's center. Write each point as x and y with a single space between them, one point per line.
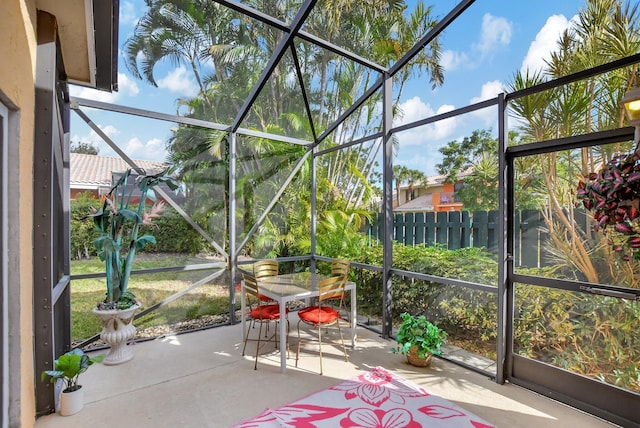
208 299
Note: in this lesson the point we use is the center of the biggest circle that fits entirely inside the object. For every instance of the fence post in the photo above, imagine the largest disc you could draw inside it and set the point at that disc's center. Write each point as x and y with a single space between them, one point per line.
419 236
530 240
430 228
454 226
492 238
409 229
465 239
398 226
480 229
441 228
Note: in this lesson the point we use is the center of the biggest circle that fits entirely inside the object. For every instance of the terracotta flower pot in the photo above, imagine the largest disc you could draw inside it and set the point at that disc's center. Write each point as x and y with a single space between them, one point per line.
414 360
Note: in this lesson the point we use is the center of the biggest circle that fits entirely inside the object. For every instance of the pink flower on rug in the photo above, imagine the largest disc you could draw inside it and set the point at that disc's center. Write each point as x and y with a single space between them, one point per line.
303 415
481 425
368 418
441 412
377 386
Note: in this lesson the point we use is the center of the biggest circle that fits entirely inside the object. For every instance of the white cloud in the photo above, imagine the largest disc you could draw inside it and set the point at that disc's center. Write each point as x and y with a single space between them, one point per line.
426 164
152 149
128 13
489 90
126 87
415 109
94 139
544 43
110 130
93 94
178 80
452 60
495 33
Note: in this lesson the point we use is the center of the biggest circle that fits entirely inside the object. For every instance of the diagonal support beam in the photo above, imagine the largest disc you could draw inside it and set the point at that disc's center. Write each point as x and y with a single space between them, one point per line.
190 121
305 97
273 202
435 31
282 26
139 170
427 38
277 55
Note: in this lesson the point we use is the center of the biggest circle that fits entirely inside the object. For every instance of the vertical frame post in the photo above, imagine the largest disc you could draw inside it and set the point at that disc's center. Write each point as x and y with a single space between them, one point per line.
387 178
233 256
314 216
505 243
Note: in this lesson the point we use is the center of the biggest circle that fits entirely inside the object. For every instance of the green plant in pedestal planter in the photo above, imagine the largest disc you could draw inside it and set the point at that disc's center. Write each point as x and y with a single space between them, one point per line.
421 333
69 367
119 222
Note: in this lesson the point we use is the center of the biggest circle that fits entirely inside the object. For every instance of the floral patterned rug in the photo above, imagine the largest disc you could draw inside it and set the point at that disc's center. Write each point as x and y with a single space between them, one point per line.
377 399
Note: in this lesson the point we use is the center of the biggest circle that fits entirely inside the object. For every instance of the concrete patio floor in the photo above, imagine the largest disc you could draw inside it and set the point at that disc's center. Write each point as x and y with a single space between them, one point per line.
201 380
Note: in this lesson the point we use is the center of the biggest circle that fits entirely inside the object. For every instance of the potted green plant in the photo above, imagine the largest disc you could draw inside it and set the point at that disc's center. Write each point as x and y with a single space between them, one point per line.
124 212
419 339
68 368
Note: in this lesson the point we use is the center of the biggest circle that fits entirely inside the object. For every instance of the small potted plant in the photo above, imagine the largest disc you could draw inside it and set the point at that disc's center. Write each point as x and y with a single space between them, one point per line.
68 368
419 339
124 212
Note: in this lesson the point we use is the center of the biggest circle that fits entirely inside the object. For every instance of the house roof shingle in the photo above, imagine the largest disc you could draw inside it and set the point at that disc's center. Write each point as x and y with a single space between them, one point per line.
94 172
421 203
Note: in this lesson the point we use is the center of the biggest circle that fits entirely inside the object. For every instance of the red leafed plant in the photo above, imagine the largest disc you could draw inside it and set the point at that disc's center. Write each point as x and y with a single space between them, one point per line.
613 196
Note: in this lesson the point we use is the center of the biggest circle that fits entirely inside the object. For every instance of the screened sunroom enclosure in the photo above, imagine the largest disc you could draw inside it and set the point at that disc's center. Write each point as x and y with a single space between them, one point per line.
253 184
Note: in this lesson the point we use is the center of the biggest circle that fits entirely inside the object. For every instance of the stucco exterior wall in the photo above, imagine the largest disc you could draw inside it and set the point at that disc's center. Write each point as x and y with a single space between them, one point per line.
17 82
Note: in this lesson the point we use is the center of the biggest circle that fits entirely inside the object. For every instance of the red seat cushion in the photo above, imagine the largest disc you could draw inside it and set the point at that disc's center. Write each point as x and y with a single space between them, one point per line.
267 312
318 315
265 298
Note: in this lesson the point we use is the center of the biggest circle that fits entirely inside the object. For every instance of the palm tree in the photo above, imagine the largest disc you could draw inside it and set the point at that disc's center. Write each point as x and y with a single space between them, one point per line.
605 30
400 175
414 177
225 52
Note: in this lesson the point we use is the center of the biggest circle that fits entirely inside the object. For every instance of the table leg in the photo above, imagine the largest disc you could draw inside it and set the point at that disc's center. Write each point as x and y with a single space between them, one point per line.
283 337
354 321
243 308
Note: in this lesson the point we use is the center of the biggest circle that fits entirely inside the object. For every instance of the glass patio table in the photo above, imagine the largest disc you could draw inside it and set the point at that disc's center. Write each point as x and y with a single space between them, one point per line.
288 288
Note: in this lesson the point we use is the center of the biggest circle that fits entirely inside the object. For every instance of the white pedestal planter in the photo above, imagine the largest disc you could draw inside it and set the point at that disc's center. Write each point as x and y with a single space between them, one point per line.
117 330
71 402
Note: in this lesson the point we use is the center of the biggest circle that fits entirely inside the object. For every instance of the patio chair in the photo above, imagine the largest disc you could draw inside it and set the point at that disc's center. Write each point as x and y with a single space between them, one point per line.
261 313
265 268
340 267
324 315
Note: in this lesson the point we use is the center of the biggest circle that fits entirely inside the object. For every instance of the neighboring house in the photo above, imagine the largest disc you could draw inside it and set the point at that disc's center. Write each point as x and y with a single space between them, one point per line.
95 174
434 195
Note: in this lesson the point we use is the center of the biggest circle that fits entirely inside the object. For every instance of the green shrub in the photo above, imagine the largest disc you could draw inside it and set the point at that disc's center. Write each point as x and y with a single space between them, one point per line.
82 231
177 235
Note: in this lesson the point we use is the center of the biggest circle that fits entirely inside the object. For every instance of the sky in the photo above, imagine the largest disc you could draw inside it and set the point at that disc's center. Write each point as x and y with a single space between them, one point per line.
481 51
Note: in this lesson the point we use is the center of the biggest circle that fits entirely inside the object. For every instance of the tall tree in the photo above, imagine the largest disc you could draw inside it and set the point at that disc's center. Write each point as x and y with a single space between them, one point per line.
400 175
604 30
83 148
459 156
225 52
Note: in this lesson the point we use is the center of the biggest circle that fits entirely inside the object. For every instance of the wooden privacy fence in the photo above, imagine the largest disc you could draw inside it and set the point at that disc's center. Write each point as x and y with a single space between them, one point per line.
462 229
